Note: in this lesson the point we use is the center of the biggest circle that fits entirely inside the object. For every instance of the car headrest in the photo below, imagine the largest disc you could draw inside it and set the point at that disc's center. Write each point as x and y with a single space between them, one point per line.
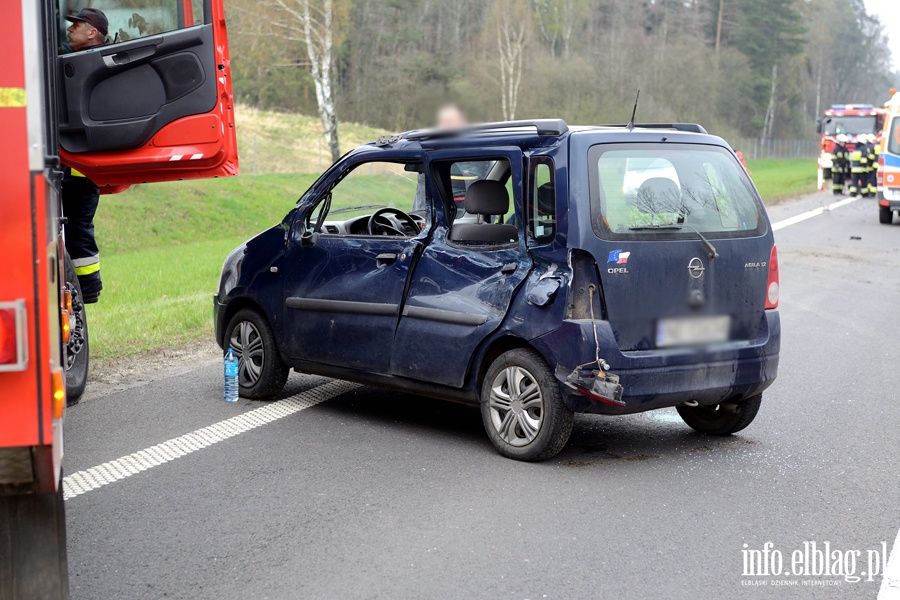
546 199
487 197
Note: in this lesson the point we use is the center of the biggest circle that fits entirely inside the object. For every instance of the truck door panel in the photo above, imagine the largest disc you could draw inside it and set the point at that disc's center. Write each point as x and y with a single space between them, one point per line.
153 108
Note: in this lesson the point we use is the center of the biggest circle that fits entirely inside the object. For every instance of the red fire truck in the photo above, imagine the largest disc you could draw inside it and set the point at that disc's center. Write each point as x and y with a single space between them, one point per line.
154 104
851 120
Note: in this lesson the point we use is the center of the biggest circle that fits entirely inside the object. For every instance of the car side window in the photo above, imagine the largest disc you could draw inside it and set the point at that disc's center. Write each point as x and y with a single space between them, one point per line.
368 187
541 212
133 19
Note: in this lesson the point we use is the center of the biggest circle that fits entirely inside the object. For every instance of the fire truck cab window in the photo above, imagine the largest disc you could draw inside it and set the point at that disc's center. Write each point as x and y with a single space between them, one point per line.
133 19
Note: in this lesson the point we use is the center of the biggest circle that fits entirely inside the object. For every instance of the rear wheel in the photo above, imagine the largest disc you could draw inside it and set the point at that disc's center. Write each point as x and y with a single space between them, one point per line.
260 371
721 419
522 408
77 350
33 560
885 215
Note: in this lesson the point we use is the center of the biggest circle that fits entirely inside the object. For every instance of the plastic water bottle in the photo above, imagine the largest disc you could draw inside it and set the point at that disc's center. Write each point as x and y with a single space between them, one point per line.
231 377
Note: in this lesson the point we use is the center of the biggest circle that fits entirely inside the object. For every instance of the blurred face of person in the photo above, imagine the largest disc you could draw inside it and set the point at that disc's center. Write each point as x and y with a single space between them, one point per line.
83 35
451 117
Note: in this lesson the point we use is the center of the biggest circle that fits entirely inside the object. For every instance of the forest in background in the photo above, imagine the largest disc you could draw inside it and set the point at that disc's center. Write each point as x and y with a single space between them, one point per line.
743 68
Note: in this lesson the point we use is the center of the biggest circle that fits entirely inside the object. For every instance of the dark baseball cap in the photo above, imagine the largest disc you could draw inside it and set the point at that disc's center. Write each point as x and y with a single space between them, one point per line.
94 18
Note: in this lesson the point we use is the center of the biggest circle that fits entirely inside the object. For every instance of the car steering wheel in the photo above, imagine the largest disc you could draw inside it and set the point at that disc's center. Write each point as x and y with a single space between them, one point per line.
384 227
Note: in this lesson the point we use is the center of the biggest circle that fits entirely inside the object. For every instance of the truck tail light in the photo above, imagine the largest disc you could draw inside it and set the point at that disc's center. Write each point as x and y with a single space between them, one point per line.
64 313
58 387
13 337
772 283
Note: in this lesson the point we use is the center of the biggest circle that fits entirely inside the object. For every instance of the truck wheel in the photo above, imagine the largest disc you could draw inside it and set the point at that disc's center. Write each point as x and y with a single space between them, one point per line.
261 373
33 560
885 215
717 420
77 350
522 409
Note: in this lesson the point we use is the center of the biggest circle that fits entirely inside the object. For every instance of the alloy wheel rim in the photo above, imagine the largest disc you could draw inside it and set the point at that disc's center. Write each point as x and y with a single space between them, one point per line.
76 327
248 348
517 406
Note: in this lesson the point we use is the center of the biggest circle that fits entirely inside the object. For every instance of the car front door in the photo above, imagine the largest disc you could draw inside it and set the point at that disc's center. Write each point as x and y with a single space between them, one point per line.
343 287
459 292
154 104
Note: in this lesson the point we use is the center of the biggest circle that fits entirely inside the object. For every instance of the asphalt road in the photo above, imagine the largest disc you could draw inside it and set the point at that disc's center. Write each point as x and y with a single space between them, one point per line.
377 495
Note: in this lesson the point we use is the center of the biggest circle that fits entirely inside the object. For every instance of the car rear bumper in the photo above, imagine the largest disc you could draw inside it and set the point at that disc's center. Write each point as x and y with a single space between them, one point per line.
663 378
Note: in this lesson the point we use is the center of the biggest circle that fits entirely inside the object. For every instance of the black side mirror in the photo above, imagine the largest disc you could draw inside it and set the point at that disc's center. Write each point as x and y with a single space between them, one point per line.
818 125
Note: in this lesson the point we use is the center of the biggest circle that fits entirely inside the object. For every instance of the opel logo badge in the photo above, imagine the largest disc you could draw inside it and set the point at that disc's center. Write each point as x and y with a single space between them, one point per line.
696 268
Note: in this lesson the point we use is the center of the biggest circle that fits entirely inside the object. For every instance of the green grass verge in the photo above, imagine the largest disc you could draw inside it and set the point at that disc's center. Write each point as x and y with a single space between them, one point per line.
781 179
162 245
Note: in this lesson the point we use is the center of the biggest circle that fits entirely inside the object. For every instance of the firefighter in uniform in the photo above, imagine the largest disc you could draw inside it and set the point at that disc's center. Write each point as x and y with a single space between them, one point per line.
80 196
858 165
873 165
839 163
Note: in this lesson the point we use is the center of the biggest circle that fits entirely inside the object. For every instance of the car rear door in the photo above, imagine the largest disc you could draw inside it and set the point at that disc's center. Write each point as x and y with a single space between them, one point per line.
661 287
154 105
458 295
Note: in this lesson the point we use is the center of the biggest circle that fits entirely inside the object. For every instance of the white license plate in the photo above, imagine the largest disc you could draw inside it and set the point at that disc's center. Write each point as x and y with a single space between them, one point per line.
692 331
891 193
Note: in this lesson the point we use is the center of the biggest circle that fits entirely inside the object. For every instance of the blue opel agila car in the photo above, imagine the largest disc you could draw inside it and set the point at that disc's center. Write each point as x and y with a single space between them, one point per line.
529 267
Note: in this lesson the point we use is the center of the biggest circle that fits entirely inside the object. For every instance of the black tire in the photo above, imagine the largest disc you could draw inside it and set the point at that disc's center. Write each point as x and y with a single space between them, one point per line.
78 349
522 432
885 215
261 374
715 420
33 562
826 174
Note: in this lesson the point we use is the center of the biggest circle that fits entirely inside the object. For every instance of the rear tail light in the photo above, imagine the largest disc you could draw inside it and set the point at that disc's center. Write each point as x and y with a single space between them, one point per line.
64 313
13 338
879 174
58 387
772 283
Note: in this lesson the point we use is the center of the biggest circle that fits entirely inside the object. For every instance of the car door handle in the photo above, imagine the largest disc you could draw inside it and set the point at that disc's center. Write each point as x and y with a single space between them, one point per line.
385 258
126 56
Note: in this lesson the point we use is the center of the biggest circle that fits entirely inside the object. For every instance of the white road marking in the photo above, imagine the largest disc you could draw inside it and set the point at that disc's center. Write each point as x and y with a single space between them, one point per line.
890 585
114 470
812 213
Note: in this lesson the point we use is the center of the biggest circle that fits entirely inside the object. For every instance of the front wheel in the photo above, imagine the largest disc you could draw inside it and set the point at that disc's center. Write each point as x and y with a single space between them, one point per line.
522 409
77 350
885 215
261 373
721 419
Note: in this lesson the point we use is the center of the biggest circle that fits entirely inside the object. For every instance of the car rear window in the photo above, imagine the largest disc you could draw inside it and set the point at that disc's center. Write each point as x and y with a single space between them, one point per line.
893 145
640 190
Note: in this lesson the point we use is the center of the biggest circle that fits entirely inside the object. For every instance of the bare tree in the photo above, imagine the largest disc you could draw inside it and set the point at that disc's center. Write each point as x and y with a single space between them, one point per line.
511 39
316 23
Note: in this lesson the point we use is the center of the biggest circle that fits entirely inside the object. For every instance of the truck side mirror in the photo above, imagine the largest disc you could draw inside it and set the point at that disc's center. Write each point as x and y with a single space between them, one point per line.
818 125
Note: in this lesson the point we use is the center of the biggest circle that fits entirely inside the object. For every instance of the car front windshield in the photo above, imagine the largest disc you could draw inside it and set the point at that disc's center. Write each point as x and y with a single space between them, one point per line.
849 125
653 189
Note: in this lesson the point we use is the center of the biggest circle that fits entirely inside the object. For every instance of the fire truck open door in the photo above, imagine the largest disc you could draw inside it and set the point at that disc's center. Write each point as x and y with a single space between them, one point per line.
156 103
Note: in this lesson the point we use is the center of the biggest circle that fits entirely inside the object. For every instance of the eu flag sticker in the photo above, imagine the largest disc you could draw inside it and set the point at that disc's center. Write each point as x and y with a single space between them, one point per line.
619 257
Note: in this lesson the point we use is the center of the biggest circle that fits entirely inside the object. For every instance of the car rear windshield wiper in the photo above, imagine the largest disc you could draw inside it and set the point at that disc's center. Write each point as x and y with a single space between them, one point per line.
677 226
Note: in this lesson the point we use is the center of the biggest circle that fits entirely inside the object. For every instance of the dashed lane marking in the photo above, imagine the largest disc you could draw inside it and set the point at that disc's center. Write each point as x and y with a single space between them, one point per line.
91 479
890 585
812 213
